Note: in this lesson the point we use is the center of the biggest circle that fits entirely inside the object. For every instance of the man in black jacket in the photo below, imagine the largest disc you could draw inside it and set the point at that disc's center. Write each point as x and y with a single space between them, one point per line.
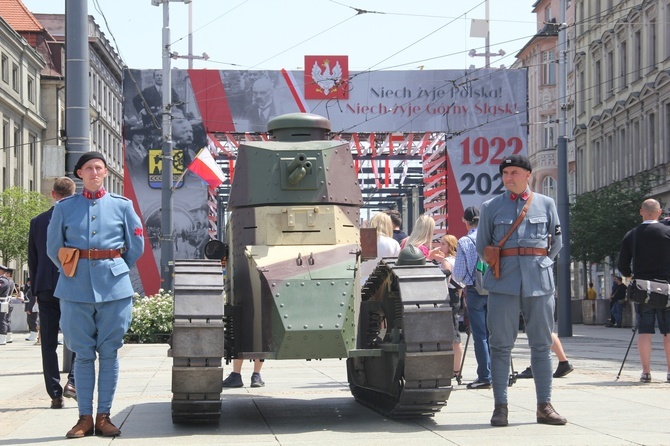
647 247
44 276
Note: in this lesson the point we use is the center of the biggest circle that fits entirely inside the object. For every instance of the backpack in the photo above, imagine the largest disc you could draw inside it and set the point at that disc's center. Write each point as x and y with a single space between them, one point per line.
480 269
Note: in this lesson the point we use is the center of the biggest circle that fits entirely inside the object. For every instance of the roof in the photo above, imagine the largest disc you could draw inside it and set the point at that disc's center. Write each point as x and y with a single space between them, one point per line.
19 17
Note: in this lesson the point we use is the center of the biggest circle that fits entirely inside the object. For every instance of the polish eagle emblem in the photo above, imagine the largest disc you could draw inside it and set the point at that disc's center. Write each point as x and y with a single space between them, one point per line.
327 78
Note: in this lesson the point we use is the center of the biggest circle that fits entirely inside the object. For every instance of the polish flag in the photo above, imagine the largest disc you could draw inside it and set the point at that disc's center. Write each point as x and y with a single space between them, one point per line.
206 168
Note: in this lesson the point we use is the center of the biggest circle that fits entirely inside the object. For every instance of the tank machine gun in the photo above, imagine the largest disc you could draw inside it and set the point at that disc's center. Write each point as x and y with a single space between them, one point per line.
292 286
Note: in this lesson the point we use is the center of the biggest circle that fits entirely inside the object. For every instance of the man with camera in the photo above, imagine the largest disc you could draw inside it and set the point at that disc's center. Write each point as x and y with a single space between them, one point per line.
647 249
523 229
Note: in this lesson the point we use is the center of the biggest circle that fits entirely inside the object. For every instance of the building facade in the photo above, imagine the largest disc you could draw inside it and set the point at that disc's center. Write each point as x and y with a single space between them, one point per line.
105 96
20 114
622 101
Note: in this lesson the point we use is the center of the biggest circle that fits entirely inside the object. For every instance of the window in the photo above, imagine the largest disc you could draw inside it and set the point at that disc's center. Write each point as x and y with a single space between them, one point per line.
5 68
637 43
609 86
549 132
31 89
581 91
549 187
651 140
548 68
17 141
635 162
652 44
15 77
623 65
32 149
597 7
547 14
597 81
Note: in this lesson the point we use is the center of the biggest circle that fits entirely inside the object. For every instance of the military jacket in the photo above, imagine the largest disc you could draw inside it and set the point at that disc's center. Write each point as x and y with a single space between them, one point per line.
106 222
540 228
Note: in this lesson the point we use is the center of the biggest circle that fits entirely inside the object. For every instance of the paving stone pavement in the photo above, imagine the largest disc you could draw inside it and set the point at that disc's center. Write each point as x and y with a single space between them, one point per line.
308 403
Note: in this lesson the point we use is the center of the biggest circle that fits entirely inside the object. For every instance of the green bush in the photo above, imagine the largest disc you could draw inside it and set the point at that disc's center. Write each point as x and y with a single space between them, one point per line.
152 318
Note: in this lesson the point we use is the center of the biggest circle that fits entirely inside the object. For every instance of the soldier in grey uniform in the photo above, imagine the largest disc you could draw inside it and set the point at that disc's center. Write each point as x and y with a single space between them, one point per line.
6 288
526 284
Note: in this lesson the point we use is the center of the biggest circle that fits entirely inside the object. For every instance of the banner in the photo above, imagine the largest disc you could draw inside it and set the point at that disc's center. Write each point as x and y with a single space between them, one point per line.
482 114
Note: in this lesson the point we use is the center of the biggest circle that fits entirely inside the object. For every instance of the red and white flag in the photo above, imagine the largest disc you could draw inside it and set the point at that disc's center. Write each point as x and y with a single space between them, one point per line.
206 168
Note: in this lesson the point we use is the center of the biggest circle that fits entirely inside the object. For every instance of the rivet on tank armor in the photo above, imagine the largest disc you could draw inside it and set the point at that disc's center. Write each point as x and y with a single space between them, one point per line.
281 305
288 284
318 283
286 316
339 314
305 327
302 283
337 325
320 326
273 284
344 294
346 283
332 283
289 327
341 304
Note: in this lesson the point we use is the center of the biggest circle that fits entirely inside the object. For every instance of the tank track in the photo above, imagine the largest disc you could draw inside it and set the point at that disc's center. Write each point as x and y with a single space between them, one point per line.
404 362
197 342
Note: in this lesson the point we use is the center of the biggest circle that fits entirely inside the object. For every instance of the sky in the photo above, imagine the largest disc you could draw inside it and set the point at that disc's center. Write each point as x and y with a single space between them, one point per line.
276 34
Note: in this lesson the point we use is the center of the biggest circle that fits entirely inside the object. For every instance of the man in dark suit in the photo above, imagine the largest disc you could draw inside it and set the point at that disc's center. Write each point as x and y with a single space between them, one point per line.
149 103
263 108
44 275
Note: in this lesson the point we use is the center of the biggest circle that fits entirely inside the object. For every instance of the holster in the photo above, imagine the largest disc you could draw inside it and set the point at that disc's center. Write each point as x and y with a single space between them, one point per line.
492 257
69 258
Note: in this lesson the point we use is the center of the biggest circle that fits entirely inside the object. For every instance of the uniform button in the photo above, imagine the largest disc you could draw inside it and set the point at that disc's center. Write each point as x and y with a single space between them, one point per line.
94 203
93 218
94 232
92 263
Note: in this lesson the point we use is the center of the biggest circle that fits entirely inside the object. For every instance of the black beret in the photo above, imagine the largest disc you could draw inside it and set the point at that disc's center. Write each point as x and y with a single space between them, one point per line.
86 157
516 161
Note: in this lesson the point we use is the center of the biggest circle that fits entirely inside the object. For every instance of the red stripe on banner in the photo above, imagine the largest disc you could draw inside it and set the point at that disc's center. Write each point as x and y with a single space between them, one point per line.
454 204
373 148
212 101
354 137
146 265
293 90
217 144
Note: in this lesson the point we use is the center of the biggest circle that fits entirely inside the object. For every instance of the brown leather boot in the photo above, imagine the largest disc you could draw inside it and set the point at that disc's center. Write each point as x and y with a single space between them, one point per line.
105 427
546 414
499 417
83 428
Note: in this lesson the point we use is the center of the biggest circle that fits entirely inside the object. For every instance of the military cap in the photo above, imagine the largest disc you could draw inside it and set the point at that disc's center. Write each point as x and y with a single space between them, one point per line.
86 157
516 161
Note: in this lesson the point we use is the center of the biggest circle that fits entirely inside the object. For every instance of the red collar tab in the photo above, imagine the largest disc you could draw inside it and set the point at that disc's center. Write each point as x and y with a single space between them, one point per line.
524 196
94 195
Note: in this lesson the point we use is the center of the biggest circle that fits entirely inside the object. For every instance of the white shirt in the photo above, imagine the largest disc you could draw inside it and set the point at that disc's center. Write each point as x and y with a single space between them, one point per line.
386 247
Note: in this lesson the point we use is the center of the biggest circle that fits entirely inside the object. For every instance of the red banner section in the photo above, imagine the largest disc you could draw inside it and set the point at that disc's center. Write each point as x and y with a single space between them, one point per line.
212 102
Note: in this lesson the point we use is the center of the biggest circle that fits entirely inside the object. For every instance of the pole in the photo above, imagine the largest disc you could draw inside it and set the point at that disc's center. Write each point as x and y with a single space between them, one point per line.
77 118
190 36
487 42
564 287
167 243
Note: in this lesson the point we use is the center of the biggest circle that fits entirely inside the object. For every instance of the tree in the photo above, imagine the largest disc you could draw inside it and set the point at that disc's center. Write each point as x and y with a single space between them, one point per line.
600 219
18 208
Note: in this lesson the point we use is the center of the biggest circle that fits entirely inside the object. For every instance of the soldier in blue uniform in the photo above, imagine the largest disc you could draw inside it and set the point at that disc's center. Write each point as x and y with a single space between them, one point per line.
526 284
96 303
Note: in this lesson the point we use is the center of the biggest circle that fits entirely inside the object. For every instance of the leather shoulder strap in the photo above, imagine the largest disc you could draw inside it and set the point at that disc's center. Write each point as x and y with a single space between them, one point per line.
517 222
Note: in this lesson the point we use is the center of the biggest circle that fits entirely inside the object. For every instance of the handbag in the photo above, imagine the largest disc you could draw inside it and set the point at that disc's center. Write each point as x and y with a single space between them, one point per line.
69 258
492 252
650 292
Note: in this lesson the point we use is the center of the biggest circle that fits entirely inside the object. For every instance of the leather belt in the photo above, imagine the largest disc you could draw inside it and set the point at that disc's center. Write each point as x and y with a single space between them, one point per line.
99 254
522 251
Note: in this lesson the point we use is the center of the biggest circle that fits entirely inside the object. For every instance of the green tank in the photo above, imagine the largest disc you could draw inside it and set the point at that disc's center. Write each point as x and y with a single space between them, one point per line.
292 284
